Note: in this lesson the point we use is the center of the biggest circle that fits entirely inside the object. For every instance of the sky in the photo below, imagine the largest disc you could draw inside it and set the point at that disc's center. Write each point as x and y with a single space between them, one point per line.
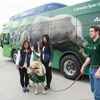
9 8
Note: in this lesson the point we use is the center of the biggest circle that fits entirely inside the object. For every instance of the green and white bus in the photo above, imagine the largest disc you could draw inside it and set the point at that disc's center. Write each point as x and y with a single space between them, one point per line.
67 27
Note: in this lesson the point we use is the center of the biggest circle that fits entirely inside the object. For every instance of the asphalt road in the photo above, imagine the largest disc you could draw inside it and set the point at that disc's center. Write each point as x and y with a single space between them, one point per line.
10 88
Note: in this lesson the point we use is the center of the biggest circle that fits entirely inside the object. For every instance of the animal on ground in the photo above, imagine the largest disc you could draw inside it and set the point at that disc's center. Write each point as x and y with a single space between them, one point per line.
37 75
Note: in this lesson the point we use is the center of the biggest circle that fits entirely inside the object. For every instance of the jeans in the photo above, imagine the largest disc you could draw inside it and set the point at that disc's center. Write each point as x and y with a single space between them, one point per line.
95 83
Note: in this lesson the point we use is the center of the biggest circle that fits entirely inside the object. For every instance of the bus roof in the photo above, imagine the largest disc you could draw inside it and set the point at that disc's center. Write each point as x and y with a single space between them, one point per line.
37 10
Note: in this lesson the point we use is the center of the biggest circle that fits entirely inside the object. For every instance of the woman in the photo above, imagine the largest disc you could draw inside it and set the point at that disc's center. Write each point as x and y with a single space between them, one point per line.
47 58
24 58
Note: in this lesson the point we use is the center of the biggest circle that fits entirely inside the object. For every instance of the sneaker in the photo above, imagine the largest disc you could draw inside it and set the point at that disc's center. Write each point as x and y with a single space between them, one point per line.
27 90
23 89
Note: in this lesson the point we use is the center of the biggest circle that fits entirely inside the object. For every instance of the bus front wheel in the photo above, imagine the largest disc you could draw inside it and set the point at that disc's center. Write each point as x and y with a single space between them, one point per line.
14 56
70 67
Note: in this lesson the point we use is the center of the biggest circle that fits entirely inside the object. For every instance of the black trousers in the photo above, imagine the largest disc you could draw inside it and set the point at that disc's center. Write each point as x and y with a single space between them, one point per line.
24 79
48 73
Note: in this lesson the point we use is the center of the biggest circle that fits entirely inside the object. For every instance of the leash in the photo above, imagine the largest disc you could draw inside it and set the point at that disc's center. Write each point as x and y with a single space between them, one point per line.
61 89
51 89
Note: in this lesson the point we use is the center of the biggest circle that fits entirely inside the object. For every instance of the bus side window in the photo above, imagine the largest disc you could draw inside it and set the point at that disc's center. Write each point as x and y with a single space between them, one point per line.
54 6
5 38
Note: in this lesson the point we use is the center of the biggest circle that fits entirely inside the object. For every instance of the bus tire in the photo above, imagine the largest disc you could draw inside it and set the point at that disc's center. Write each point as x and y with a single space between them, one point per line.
14 56
70 67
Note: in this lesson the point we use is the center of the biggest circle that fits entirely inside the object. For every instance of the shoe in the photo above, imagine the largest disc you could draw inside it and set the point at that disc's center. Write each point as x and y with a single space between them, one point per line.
46 88
23 89
27 90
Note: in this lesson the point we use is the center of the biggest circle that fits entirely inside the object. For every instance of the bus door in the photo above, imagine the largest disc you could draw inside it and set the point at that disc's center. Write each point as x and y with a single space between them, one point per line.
6 45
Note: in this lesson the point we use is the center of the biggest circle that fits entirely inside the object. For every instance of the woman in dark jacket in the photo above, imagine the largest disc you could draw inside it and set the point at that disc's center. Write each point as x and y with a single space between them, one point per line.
47 58
24 58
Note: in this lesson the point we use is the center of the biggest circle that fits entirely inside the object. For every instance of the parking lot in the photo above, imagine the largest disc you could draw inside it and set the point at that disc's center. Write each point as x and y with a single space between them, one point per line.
10 88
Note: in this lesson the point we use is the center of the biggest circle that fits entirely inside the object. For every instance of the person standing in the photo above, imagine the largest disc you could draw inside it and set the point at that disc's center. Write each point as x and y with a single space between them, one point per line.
94 60
46 56
24 59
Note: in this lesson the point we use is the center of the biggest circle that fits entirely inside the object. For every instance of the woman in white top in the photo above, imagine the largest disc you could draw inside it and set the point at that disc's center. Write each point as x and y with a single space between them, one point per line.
47 58
24 59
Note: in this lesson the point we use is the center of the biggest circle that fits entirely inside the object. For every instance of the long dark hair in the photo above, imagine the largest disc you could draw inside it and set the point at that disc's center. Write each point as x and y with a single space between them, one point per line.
47 44
29 47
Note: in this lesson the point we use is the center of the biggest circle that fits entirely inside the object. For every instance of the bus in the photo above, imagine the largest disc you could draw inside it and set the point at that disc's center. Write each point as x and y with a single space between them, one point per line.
67 27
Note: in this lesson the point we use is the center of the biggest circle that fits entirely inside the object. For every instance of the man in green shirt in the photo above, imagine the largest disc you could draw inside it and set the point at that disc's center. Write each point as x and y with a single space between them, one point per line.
94 60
